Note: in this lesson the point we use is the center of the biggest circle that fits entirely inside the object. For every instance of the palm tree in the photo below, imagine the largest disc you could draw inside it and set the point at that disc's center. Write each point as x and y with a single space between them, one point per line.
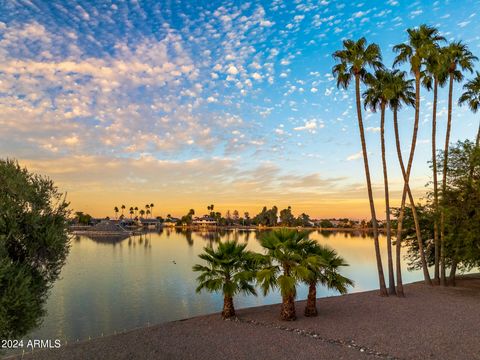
376 98
116 211
422 42
152 205
230 269
353 60
123 208
136 210
142 212
284 266
324 270
401 92
471 96
457 56
435 75
147 208
131 211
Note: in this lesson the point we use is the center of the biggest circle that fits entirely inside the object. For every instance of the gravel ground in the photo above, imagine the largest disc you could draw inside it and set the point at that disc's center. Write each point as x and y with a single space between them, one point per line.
430 323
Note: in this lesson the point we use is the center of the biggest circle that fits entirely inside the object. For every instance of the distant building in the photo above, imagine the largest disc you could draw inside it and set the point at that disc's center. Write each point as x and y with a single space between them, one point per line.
149 223
204 221
171 222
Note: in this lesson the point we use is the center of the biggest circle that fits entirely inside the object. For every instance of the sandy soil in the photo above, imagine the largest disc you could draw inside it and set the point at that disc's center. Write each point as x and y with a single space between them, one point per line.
430 323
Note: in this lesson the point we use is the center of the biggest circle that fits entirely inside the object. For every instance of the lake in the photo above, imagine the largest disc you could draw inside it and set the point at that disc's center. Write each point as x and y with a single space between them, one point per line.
110 287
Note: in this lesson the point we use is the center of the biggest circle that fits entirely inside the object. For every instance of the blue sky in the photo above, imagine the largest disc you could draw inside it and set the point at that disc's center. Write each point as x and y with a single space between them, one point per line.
196 102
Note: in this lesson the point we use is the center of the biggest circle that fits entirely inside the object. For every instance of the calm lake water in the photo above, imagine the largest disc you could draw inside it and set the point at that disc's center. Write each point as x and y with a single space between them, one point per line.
112 287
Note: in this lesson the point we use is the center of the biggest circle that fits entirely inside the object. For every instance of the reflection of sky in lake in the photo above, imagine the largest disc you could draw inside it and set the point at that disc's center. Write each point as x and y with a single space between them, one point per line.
106 288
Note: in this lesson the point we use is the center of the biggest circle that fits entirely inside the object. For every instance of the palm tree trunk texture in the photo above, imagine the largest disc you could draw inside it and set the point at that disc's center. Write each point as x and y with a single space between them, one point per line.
311 307
407 191
391 279
381 277
443 279
435 184
228 309
477 143
288 308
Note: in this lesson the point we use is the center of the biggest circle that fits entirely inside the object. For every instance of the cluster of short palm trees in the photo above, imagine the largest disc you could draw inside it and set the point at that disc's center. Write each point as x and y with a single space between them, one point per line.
135 211
290 257
432 64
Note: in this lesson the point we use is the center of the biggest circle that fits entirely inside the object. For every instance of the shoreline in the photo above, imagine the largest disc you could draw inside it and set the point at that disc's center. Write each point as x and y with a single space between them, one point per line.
352 326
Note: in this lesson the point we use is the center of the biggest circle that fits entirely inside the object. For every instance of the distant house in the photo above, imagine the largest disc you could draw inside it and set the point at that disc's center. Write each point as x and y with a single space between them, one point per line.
204 221
149 223
171 222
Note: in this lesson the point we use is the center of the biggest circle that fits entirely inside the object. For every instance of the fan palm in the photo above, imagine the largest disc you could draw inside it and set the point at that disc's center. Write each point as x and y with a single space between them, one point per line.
230 270
116 211
422 42
284 266
323 270
458 58
376 98
435 74
353 61
401 93
471 96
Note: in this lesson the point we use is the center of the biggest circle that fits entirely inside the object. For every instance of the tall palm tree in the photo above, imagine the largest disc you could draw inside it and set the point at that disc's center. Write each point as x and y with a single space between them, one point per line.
131 211
471 96
324 270
116 211
422 42
142 212
136 210
123 208
353 61
230 270
401 92
152 205
435 75
458 58
284 266
376 98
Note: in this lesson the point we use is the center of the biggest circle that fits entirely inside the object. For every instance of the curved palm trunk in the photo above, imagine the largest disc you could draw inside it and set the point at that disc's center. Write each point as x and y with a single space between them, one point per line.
311 307
391 279
443 278
435 184
381 277
398 245
288 308
406 177
228 309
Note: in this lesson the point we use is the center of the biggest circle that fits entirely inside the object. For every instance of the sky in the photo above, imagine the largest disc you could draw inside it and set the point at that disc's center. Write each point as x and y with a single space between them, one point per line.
189 103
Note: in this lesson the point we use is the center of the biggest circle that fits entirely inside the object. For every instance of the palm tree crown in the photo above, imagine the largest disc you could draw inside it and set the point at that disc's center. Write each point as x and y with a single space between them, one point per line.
422 41
458 58
401 90
471 96
354 59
